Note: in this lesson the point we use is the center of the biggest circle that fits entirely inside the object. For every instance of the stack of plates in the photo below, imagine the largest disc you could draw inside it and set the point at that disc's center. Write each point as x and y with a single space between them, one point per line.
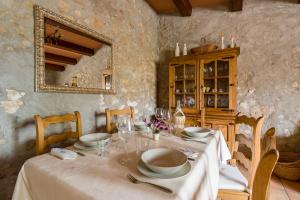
164 163
90 141
196 132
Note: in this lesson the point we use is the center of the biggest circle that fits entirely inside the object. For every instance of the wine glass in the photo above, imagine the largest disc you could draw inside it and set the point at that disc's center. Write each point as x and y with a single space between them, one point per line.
125 131
167 117
159 113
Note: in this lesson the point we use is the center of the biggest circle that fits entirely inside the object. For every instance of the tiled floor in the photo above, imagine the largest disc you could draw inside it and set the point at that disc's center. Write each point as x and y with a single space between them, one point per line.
284 190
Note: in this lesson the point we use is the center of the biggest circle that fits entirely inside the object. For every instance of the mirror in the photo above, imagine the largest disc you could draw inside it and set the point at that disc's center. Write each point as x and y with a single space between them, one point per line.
70 57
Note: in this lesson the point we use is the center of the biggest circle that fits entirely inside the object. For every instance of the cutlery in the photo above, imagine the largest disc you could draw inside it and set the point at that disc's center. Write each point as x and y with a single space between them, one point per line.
79 153
136 181
195 140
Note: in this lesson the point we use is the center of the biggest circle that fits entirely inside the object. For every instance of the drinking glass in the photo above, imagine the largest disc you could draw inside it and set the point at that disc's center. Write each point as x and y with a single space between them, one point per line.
142 141
102 148
125 131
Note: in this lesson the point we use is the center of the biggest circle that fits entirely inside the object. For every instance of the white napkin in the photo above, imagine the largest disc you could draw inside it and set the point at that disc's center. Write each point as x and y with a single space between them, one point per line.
63 153
223 150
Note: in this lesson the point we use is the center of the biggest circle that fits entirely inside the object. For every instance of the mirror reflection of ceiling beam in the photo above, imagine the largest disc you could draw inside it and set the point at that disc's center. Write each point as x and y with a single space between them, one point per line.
69 29
60 59
54 67
63 45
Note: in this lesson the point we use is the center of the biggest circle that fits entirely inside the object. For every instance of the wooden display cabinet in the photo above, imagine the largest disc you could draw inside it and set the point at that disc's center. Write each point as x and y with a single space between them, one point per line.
206 80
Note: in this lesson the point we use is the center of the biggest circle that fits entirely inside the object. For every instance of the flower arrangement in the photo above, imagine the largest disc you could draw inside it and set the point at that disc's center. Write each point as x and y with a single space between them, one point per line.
157 125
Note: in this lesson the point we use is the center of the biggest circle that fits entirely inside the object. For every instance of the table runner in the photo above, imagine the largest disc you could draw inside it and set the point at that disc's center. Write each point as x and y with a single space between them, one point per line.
92 177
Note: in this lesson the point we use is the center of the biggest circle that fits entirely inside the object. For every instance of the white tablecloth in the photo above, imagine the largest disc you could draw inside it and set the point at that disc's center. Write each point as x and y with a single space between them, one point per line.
92 177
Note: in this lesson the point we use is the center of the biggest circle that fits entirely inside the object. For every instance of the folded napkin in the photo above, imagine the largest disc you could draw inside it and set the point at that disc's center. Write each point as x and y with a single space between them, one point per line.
63 153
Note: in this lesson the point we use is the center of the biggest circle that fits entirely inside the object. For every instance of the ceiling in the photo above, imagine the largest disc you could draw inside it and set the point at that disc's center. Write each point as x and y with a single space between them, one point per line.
184 7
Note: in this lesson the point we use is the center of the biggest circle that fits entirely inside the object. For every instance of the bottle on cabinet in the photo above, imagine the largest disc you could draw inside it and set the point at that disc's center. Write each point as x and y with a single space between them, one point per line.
184 50
177 50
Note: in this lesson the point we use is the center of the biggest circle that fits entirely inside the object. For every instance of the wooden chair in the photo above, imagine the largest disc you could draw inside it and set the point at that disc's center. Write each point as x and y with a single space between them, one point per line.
268 141
41 123
263 175
261 180
232 184
111 113
254 143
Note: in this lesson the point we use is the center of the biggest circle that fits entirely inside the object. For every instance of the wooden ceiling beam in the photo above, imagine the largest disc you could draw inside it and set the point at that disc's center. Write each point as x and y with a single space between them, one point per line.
55 67
298 1
64 45
235 5
60 59
184 7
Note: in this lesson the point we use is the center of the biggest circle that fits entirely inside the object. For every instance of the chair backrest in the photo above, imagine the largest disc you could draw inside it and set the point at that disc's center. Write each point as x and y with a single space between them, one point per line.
41 123
117 112
268 141
263 175
253 144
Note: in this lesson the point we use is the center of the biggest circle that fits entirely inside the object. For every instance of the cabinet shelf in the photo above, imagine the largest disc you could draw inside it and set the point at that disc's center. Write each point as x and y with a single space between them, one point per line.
224 93
213 77
187 79
188 93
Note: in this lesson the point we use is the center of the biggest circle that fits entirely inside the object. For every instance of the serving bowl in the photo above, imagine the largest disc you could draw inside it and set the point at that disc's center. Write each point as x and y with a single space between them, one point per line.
164 160
197 131
92 138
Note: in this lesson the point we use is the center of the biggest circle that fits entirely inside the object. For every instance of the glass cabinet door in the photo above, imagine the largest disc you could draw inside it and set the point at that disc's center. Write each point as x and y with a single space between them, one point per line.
190 86
216 84
185 84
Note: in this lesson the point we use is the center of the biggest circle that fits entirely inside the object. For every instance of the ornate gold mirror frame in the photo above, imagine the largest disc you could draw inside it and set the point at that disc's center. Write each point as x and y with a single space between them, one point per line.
39 27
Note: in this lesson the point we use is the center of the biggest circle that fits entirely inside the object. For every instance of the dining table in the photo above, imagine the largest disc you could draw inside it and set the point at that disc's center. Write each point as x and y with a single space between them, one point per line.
94 177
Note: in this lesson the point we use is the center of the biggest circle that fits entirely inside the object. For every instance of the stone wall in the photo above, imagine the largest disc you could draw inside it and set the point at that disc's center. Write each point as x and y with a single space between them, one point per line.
268 34
132 25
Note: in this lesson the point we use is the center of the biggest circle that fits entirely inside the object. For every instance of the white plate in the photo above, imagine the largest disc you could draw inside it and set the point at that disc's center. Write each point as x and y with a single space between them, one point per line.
80 146
92 138
197 132
147 172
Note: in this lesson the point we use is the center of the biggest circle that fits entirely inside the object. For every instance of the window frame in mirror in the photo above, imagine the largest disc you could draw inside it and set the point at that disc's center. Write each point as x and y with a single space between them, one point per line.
40 14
